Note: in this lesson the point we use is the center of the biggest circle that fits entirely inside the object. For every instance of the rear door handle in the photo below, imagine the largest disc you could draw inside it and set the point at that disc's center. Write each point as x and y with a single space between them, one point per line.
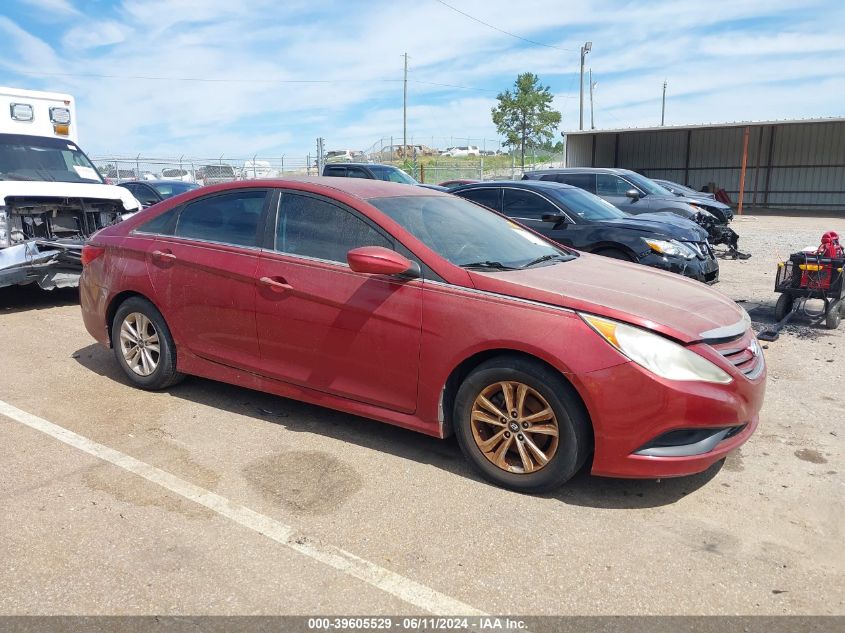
275 285
163 255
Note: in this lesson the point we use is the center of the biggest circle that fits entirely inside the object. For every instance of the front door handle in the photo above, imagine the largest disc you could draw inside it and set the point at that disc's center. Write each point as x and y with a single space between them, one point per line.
163 255
275 285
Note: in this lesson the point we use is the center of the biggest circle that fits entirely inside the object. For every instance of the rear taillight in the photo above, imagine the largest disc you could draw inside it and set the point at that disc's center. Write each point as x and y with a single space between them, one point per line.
90 253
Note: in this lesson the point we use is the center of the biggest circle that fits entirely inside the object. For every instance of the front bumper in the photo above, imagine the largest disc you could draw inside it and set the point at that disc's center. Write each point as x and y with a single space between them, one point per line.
629 407
705 270
50 264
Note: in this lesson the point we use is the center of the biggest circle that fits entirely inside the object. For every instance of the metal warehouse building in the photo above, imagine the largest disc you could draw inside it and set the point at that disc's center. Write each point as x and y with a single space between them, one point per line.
789 164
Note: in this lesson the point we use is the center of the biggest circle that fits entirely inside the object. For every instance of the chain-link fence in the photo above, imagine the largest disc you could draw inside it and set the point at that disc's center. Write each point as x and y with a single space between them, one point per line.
427 167
204 171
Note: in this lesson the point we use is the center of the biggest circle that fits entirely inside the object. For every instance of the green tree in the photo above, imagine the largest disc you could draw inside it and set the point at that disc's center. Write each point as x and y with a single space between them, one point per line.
525 116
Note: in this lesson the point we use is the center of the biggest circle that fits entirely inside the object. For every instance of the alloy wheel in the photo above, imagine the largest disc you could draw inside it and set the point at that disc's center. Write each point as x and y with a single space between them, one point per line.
139 343
514 427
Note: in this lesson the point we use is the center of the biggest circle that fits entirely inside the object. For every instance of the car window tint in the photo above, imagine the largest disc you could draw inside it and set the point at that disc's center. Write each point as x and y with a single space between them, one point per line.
610 185
336 171
162 224
316 228
526 204
487 197
231 218
356 172
587 182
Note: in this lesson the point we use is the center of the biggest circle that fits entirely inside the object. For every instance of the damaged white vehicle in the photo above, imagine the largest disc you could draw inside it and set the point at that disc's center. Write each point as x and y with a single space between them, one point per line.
52 198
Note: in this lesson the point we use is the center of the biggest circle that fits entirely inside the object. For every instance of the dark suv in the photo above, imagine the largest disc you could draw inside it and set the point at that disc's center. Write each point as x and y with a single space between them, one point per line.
581 220
634 193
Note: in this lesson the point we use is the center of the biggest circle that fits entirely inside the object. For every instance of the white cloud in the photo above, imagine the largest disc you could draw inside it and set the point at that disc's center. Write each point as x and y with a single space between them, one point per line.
53 7
727 62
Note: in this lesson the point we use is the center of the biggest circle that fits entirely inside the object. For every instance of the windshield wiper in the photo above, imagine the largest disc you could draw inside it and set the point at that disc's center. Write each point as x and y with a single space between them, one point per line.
546 258
488 264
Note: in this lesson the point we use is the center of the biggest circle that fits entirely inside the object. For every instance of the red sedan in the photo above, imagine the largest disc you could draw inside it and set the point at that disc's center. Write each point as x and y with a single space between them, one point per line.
424 310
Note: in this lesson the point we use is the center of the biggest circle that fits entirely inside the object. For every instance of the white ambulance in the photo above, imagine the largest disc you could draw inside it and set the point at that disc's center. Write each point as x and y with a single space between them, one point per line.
52 198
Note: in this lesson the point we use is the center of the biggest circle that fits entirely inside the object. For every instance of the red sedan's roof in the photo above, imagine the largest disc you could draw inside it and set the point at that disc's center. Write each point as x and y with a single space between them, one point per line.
358 187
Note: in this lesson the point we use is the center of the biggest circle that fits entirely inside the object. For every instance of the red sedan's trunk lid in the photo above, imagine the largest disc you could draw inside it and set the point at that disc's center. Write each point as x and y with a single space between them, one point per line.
684 309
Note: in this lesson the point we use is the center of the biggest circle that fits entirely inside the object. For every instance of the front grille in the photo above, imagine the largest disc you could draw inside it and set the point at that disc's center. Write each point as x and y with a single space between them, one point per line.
744 353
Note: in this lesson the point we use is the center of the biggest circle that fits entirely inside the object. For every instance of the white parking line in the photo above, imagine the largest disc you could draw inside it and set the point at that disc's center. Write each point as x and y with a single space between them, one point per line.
390 582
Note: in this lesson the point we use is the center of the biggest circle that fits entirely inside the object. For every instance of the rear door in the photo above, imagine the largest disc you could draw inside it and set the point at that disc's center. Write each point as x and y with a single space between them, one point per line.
490 197
325 327
204 270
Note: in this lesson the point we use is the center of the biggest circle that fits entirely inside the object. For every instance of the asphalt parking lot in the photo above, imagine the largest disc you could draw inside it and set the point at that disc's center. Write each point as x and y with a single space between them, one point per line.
238 502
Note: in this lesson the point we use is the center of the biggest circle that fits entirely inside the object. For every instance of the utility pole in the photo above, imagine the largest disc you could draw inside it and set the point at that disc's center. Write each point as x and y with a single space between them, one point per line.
592 113
663 108
405 108
584 50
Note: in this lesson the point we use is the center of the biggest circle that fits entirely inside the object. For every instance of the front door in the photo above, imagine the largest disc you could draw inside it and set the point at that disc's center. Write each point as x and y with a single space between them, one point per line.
614 189
203 273
325 327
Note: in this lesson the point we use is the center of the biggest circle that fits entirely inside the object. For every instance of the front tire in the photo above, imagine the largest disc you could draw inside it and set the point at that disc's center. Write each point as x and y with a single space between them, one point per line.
143 346
521 425
833 317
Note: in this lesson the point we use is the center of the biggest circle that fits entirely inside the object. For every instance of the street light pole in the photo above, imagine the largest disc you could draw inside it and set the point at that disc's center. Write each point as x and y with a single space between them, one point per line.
593 84
584 50
663 107
405 109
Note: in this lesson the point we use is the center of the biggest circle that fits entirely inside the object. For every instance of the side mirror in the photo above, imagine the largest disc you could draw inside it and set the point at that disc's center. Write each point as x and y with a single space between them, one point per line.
633 194
553 217
377 260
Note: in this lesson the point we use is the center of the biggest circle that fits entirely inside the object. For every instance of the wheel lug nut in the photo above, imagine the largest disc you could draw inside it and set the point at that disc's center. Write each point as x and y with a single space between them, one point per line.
519 437
513 414
503 420
525 425
507 434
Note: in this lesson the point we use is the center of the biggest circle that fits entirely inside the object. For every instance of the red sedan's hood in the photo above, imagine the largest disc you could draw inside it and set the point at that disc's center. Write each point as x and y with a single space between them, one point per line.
666 302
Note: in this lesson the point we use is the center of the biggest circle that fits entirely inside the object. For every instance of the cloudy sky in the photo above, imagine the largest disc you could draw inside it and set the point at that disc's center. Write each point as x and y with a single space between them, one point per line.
243 77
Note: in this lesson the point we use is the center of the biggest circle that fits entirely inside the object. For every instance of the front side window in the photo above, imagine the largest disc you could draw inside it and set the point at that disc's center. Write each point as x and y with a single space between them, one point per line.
526 204
230 218
393 174
336 171
313 227
356 172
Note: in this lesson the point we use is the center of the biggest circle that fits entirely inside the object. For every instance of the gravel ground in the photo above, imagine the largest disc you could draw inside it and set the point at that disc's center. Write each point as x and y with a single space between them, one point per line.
760 534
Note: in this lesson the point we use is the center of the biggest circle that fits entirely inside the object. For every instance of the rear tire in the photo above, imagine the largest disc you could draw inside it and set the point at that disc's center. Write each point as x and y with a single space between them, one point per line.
783 306
615 253
143 346
545 437
833 317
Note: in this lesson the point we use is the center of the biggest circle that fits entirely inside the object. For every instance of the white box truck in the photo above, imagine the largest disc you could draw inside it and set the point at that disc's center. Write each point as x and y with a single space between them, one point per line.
52 198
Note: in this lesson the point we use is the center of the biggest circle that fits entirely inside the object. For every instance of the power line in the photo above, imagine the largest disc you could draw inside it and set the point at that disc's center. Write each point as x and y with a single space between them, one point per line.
245 81
496 28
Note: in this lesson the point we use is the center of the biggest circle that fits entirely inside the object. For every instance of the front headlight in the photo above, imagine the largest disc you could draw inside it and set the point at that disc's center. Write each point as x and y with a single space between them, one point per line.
657 354
671 248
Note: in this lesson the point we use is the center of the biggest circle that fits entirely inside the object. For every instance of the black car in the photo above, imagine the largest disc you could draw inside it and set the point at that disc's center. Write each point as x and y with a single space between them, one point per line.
634 193
149 192
373 171
573 217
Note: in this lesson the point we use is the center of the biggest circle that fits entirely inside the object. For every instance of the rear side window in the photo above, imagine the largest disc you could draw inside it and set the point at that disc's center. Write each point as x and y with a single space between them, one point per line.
316 228
339 172
487 197
356 172
230 218
162 224
587 182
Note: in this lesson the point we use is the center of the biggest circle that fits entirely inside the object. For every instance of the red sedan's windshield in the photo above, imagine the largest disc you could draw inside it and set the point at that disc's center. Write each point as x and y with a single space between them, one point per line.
466 234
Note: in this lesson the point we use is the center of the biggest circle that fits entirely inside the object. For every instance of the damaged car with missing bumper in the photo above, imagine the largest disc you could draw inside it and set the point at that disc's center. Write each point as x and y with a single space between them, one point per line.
52 198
